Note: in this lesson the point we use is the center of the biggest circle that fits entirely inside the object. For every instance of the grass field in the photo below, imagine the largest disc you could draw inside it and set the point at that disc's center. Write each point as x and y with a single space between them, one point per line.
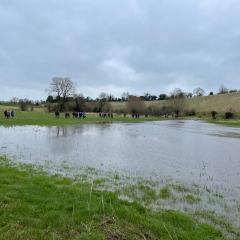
42 118
34 205
202 105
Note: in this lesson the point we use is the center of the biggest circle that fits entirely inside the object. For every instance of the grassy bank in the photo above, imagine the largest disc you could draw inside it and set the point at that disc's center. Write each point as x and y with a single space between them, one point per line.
42 118
34 205
230 123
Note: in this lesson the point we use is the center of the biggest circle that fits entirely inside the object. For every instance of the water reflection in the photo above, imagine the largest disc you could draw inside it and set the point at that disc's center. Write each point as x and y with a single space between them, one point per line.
186 150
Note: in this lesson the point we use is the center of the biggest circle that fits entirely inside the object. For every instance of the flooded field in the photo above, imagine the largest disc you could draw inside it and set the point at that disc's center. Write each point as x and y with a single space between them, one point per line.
192 165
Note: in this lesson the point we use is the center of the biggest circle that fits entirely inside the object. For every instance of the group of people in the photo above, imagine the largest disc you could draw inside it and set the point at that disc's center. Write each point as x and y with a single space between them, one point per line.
74 114
135 115
9 113
105 115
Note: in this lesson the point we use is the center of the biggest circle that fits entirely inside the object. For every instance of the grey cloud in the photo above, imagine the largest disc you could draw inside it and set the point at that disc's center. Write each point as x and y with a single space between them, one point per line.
128 45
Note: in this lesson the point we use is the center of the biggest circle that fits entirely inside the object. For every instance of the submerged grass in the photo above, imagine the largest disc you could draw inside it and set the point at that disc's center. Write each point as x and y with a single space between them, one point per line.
165 193
191 199
212 218
34 205
187 198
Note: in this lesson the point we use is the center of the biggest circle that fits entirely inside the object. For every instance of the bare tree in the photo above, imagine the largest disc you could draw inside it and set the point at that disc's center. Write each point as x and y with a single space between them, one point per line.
177 93
24 104
103 96
67 87
189 95
178 101
125 96
222 90
198 92
110 97
102 102
62 87
14 100
80 103
147 96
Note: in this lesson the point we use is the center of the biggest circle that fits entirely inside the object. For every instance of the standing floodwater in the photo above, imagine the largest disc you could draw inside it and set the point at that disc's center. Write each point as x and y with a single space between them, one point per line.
202 156
187 150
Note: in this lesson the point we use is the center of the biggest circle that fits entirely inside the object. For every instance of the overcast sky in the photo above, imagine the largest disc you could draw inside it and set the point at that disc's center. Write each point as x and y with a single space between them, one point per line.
114 46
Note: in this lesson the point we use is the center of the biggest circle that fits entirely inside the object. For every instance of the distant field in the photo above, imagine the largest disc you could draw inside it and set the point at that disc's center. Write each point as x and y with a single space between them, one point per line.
8 107
219 103
16 108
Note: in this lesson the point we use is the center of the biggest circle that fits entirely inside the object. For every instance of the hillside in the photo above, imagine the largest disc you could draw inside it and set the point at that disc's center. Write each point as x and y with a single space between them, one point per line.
219 103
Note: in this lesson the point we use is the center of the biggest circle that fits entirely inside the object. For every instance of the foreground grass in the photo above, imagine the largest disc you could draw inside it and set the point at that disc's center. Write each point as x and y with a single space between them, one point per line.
34 205
42 118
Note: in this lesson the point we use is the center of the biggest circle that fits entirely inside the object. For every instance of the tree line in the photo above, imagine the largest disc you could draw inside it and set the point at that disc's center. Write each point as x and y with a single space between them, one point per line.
63 97
64 88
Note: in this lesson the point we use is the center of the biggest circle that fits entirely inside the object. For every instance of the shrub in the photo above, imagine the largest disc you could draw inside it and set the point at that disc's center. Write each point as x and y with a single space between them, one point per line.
167 110
190 112
23 105
213 114
135 105
165 193
229 115
153 110
52 107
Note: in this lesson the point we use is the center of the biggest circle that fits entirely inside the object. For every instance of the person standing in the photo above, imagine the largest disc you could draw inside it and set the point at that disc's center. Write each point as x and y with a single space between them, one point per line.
12 113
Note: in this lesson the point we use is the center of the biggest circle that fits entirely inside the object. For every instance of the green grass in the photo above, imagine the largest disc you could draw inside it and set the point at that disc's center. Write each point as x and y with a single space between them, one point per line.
180 188
34 205
42 118
165 193
230 123
191 199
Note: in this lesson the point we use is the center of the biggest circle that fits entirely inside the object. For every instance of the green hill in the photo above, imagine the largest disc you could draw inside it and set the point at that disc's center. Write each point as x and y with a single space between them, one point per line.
219 103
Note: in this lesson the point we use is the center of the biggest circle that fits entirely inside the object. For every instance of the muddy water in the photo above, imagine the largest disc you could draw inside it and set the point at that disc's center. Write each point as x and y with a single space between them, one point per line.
187 150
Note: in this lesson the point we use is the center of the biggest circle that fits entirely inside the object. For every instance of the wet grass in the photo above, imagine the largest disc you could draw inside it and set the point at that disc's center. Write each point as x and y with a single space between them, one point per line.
191 199
230 123
34 205
41 118
180 188
165 193
220 222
